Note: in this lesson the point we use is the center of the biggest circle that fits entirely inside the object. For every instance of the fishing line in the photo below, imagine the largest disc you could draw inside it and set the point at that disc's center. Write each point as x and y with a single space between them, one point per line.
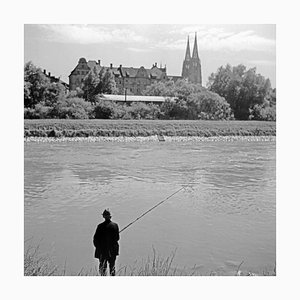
159 203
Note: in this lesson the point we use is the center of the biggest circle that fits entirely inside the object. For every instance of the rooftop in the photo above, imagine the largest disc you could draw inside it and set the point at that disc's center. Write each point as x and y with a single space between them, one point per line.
134 98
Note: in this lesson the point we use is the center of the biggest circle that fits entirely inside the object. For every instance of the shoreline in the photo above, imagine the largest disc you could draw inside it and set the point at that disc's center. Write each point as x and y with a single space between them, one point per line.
153 138
147 129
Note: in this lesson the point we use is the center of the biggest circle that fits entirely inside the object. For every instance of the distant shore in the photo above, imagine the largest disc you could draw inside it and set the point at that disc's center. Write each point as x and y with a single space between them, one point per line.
123 130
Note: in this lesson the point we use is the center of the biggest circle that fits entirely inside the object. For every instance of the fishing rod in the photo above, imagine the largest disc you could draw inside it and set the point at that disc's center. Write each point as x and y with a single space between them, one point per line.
159 203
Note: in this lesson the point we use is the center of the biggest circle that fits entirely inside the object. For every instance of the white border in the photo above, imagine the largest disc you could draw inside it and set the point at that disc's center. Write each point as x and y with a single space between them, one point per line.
15 15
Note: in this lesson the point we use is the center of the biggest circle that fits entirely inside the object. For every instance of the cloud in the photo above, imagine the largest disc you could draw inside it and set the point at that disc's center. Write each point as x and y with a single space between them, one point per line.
133 49
89 34
209 39
217 39
262 62
190 29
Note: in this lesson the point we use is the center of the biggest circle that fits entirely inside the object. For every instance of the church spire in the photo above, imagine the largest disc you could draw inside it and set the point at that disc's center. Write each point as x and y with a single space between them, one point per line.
195 50
188 52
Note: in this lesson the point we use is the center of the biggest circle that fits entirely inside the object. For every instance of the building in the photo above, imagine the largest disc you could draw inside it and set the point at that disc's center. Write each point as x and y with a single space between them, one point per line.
191 68
55 79
133 81
136 98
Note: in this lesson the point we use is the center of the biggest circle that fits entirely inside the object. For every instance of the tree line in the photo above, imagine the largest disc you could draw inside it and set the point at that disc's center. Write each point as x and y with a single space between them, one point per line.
232 93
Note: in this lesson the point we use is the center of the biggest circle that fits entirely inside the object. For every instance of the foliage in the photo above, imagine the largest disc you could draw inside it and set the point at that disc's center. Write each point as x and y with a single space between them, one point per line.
78 93
181 89
38 112
53 93
35 85
160 89
241 88
271 97
263 113
73 108
191 101
90 84
105 109
65 108
97 83
184 89
143 111
206 105
38 89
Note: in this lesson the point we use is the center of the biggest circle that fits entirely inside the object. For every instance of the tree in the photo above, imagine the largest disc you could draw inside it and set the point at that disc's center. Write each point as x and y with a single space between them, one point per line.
72 108
35 85
241 88
166 89
54 92
209 106
38 89
191 101
97 83
184 88
263 113
90 84
108 85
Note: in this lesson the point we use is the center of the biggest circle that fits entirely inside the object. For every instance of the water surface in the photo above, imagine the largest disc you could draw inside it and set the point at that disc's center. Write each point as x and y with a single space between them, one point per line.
226 216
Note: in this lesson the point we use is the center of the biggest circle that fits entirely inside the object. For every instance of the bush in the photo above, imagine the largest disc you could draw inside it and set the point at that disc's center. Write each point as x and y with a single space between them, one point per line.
203 105
206 105
106 110
262 113
143 111
73 108
38 112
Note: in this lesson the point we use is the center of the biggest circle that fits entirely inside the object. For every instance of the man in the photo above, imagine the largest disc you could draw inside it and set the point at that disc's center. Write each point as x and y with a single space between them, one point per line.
106 242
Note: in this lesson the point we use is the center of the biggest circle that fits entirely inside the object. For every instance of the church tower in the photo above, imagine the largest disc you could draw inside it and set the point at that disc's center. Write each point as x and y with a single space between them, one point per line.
191 68
187 61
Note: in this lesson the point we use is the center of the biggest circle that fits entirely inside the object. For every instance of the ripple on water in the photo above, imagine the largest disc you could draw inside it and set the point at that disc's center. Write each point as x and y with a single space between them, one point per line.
230 201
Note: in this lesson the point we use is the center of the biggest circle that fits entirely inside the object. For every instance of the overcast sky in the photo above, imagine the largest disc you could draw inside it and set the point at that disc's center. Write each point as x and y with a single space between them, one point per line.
57 48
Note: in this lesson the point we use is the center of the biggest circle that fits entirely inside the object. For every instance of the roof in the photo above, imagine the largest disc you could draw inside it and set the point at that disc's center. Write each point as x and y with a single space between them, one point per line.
134 98
154 72
130 72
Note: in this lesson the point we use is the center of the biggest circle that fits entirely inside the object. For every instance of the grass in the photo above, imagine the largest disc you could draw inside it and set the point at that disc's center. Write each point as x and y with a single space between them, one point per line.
134 128
38 264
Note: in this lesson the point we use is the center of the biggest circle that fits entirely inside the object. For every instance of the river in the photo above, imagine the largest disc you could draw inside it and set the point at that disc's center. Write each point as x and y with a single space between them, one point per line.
225 217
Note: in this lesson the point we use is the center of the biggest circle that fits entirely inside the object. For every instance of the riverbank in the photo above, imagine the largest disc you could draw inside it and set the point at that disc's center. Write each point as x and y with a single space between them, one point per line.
52 128
37 264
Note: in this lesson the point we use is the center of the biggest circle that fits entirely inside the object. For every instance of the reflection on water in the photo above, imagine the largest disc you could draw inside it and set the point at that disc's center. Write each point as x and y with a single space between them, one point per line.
225 216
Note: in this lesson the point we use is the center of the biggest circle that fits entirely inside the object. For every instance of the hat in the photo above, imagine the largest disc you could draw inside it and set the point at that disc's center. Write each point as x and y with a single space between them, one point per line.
106 213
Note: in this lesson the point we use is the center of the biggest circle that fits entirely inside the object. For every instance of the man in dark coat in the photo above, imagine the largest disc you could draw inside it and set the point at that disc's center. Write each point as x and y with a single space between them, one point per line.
106 242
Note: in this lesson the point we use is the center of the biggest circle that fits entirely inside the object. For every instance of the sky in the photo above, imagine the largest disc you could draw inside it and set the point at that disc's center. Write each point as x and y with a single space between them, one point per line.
58 47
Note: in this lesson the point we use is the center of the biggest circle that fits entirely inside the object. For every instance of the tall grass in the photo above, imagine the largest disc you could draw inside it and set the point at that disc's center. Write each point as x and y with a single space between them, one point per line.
153 266
39 264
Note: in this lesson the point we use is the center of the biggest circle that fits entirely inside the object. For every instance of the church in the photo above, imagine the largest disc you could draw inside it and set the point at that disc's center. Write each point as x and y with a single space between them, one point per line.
134 81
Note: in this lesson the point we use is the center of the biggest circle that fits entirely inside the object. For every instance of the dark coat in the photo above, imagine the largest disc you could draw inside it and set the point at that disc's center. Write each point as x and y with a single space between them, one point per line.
106 240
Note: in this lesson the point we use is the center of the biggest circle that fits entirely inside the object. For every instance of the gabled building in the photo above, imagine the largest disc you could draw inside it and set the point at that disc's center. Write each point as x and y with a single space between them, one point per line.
135 80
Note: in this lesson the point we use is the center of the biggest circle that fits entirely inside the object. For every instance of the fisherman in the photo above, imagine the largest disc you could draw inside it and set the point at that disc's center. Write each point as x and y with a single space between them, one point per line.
106 242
